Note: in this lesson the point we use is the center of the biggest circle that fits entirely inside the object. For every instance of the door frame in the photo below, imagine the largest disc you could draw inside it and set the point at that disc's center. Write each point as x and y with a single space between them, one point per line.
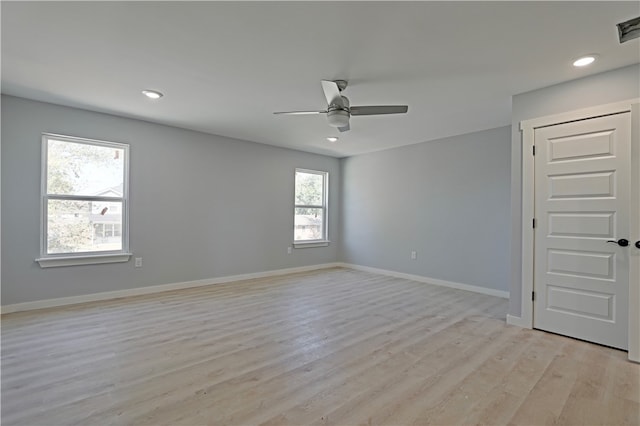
527 129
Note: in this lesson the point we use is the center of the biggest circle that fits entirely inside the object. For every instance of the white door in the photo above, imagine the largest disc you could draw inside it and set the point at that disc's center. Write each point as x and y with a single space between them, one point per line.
582 178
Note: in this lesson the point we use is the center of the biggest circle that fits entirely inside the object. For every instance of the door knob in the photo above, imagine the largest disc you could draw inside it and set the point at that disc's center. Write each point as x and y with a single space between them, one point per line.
638 244
621 242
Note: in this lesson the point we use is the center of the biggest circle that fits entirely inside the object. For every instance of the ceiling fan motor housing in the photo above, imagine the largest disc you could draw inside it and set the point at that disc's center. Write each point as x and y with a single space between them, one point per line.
338 117
339 108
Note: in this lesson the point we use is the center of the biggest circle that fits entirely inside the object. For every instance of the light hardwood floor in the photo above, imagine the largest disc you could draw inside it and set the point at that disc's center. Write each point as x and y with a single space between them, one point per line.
335 346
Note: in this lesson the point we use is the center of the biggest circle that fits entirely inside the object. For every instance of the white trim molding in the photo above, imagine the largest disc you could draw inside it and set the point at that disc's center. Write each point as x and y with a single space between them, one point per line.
528 214
517 321
310 244
427 280
54 262
634 228
95 297
527 128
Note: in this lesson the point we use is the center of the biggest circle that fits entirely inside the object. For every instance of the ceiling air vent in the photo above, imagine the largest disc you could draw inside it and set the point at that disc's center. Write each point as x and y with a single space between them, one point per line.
629 30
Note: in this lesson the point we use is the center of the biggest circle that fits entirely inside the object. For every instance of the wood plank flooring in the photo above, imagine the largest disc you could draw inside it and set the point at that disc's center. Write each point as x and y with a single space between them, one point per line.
329 347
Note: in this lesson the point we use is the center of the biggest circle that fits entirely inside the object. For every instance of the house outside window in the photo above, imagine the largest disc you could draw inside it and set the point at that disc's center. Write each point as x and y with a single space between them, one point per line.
310 210
84 201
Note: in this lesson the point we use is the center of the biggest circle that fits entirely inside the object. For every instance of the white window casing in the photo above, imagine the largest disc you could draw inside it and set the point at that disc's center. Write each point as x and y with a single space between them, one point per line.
313 238
116 249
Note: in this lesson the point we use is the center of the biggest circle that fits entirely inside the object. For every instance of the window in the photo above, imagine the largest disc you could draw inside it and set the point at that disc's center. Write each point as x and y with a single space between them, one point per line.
310 210
84 201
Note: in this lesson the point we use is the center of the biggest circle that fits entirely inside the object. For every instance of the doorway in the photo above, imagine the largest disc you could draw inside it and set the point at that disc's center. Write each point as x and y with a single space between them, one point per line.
581 190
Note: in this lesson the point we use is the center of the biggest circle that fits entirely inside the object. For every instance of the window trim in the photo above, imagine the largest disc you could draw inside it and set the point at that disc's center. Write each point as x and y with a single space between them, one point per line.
324 241
47 260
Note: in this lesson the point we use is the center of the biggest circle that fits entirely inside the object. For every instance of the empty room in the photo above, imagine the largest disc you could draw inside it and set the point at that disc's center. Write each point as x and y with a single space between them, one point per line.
320 213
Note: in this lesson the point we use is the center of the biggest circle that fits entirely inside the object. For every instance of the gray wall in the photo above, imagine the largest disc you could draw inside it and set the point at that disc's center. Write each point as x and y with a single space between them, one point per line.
447 199
202 206
599 89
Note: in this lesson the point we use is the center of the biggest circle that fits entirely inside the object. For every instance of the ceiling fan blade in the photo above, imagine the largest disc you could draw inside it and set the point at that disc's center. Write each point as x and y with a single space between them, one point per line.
345 128
301 112
332 93
379 109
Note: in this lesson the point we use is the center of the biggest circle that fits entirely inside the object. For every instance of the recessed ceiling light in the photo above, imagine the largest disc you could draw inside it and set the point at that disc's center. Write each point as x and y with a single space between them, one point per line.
152 94
584 61
332 139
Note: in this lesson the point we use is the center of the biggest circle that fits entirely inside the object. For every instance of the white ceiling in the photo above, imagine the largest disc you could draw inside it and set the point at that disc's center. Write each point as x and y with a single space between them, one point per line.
226 66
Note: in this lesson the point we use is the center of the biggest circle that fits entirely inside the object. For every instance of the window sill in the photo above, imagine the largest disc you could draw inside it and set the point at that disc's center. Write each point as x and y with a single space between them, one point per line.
53 262
310 244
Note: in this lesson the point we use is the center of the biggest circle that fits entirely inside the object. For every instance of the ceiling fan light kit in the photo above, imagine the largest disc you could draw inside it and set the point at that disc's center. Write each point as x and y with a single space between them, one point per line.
338 118
339 110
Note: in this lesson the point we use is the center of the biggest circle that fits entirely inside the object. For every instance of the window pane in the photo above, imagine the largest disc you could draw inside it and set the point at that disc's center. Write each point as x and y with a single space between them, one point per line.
83 226
81 169
308 224
309 189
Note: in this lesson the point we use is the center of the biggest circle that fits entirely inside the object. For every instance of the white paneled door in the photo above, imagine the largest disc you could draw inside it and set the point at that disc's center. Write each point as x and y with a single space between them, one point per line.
582 206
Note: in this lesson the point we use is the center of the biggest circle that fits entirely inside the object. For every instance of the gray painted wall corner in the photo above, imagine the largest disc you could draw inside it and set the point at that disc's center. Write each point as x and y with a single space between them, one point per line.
446 199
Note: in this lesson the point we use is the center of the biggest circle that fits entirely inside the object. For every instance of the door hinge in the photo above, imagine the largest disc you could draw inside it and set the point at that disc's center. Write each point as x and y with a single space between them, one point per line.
533 296
533 222
534 150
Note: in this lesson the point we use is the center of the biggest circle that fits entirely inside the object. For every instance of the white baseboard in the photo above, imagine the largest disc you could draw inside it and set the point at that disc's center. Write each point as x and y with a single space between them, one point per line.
72 300
427 280
517 321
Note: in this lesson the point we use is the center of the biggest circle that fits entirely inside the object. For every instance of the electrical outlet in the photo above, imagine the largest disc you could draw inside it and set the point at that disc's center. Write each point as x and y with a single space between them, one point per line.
289 250
414 255
138 263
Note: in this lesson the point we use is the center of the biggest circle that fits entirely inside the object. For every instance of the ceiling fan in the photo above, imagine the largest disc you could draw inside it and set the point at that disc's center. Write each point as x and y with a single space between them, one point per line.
338 109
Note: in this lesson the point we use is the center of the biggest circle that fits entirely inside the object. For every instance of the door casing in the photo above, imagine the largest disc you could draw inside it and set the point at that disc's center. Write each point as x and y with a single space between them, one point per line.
527 128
